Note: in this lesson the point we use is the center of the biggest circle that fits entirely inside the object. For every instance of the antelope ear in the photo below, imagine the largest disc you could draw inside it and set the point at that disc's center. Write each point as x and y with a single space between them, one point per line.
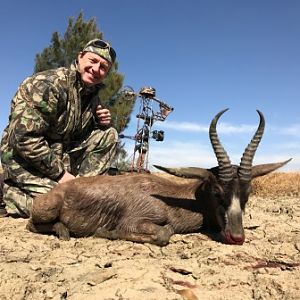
189 172
260 170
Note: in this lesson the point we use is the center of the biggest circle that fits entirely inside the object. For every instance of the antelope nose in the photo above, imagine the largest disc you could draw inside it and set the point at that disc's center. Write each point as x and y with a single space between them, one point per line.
234 239
238 239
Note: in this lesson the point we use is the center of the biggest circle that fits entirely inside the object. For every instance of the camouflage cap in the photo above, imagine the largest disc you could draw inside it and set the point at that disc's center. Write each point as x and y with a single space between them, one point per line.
101 48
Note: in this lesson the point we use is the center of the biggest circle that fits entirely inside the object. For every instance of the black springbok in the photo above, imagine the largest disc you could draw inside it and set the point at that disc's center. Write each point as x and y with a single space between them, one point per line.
149 208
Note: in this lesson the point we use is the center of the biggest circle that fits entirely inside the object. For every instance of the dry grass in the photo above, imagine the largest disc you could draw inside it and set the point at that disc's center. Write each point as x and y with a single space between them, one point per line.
277 185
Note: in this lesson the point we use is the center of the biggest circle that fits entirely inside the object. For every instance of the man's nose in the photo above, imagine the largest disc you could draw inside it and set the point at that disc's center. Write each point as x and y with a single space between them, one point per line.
96 67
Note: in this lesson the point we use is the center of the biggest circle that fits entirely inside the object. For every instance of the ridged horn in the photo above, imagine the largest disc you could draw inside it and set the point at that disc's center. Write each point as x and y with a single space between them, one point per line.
225 167
244 171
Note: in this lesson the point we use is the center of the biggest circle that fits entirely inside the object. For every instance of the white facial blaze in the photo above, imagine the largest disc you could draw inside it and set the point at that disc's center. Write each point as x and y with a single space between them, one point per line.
235 206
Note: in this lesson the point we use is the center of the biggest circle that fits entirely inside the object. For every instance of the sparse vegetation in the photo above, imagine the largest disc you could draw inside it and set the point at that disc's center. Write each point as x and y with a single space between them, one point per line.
277 185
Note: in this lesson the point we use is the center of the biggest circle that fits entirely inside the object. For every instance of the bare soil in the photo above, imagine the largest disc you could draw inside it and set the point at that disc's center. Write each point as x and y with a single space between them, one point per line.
192 266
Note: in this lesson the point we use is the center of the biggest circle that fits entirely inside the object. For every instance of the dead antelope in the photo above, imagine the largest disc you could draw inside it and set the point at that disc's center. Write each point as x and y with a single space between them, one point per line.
148 208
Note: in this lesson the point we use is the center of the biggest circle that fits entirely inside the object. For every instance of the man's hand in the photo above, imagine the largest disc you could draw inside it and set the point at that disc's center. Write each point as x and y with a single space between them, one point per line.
66 177
103 115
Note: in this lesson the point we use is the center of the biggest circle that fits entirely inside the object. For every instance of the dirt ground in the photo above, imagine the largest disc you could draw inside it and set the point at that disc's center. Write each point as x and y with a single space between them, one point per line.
191 267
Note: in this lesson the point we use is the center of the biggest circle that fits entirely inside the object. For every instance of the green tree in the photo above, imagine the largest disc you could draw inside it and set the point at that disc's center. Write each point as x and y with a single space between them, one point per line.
63 50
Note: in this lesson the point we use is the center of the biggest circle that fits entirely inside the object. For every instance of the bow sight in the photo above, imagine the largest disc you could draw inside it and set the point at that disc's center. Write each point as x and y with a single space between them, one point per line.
151 109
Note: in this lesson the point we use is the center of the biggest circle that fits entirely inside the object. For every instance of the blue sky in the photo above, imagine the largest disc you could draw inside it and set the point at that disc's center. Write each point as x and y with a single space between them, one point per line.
201 57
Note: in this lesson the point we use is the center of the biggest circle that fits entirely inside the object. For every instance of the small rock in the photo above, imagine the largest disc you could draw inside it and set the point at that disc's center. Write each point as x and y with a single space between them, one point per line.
49 294
35 268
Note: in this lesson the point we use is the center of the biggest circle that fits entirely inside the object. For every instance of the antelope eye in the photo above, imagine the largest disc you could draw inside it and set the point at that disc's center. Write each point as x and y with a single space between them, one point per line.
219 195
216 193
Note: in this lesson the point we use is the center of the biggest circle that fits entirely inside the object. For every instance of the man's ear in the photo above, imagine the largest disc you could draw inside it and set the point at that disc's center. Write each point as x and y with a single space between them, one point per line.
80 54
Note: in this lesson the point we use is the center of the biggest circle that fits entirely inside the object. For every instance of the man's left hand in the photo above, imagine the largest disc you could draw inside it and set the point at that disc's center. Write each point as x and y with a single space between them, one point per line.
103 115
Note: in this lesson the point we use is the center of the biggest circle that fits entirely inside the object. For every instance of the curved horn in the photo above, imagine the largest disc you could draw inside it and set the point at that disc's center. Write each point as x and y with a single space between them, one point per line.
225 167
244 171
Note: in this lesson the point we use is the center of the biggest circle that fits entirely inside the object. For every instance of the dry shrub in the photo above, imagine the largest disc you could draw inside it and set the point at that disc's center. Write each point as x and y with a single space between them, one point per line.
277 185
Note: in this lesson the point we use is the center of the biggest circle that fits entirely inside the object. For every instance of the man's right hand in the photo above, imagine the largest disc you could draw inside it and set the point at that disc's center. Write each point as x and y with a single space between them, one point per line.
66 177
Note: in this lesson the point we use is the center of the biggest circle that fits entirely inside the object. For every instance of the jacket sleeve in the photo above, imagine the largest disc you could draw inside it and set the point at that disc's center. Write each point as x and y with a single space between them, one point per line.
35 106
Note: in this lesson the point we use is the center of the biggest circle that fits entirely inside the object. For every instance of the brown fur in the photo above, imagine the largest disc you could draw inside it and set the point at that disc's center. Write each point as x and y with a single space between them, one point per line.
143 208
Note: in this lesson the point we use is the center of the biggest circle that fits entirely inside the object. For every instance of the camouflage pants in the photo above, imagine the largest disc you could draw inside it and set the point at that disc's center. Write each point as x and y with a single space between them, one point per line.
92 157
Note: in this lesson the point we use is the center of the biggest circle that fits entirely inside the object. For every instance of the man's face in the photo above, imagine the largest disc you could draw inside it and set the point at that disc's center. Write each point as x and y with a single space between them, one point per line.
92 67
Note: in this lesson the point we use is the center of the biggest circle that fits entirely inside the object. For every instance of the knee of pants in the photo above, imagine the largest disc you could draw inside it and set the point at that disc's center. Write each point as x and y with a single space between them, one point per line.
17 200
108 137
113 134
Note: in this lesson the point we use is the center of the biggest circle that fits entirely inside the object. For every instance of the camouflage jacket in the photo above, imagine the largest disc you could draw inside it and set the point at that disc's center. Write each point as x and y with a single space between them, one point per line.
50 111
